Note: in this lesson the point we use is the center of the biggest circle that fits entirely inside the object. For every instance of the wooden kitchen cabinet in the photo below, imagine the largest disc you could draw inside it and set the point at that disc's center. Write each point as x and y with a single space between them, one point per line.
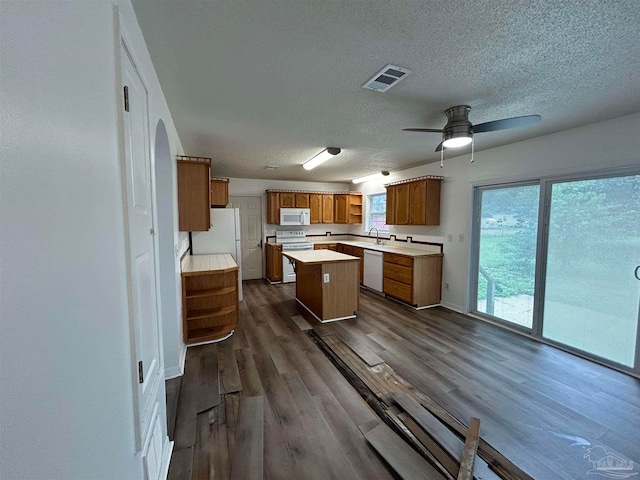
273 208
391 205
209 297
302 200
355 209
327 208
315 202
219 192
326 246
401 206
194 190
414 203
418 203
287 199
341 208
414 280
356 252
274 262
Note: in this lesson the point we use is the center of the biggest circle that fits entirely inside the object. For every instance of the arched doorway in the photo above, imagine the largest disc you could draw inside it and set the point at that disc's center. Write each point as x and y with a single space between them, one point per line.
168 269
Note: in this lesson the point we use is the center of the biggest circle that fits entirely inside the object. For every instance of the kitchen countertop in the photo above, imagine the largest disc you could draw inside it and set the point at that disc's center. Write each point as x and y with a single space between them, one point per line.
409 252
318 256
207 263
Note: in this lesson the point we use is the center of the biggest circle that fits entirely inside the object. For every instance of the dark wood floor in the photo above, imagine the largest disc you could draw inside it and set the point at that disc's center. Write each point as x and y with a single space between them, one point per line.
540 407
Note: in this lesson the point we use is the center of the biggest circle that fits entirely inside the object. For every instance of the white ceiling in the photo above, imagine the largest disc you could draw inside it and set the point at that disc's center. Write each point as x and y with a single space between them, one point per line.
255 82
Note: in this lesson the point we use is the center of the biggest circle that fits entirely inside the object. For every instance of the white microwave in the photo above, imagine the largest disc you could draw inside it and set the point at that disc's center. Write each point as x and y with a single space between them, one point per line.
295 216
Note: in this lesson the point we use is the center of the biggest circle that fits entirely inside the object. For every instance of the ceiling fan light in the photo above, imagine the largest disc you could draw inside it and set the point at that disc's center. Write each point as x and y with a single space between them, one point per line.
456 142
320 158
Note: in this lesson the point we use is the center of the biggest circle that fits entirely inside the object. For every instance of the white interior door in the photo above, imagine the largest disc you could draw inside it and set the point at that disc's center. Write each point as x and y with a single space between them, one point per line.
139 222
250 235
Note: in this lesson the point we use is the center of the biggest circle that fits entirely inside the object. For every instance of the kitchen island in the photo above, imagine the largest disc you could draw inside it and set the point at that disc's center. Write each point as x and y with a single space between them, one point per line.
327 283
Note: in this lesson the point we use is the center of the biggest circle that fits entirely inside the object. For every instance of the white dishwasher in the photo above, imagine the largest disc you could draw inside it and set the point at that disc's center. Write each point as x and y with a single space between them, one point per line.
373 270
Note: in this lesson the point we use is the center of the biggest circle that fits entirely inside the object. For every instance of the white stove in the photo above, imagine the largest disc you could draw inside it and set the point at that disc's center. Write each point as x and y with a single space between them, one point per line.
291 240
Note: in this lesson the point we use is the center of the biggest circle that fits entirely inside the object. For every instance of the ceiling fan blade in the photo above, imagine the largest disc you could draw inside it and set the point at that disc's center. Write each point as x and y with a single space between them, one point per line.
440 147
433 130
506 123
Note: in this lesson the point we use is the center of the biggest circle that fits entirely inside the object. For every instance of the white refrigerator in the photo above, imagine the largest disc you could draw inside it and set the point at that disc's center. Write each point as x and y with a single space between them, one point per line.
222 237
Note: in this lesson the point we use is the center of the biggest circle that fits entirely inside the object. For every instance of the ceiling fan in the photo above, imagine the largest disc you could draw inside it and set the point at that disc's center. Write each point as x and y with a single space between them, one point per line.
459 130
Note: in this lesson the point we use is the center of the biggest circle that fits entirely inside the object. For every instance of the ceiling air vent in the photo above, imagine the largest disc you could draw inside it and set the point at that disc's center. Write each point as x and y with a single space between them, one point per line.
386 78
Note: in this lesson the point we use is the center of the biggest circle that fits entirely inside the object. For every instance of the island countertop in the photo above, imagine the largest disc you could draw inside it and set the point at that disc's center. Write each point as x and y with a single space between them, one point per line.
318 256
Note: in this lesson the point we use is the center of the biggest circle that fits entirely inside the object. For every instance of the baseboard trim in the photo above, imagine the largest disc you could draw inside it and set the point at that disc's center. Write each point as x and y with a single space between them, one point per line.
453 307
168 451
177 371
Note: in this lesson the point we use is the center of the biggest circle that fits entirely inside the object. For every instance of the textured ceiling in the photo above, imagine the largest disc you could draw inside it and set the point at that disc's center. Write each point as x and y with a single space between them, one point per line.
254 82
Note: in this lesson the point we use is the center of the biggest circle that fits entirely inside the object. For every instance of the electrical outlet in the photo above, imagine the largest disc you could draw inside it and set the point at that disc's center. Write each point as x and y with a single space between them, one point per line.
461 237
446 286
449 237
326 278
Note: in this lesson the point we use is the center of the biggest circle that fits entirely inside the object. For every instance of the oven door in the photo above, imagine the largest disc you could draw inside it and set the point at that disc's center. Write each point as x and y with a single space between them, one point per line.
288 273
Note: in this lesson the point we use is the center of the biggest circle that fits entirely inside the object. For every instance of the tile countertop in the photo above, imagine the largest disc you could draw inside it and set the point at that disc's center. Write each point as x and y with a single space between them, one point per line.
409 252
318 256
208 263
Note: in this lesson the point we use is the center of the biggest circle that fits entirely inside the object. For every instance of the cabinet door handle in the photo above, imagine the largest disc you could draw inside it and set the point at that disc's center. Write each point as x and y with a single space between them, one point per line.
637 272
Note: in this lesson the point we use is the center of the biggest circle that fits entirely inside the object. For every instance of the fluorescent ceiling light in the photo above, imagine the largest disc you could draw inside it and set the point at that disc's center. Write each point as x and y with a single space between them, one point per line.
455 142
368 178
320 158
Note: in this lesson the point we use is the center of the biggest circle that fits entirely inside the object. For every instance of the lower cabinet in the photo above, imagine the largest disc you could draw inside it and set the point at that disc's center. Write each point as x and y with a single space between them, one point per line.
414 280
210 305
274 262
326 246
356 252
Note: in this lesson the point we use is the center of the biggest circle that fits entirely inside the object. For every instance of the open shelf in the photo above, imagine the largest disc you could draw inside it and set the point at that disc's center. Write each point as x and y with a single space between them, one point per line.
210 292
211 312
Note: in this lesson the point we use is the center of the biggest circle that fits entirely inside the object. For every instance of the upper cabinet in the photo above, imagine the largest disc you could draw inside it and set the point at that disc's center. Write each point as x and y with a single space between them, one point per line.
219 192
355 208
287 199
414 202
340 208
327 208
324 207
194 204
315 204
273 208
302 200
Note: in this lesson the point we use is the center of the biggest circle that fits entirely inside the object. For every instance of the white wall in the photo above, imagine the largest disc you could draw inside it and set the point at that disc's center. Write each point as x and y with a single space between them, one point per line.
66 376
605 145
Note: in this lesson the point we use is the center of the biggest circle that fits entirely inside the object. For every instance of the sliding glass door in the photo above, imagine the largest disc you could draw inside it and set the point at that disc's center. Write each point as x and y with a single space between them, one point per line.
591 293
507 226
566 269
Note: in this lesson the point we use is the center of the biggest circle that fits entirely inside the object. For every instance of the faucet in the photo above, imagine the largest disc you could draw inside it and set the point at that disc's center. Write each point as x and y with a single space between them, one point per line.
377 233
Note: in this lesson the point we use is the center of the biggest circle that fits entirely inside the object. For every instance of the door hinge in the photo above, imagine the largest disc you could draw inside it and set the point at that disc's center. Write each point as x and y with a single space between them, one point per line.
126 98
140 372
152 231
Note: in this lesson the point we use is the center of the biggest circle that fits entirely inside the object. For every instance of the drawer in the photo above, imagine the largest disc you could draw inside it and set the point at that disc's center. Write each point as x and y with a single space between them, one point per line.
398 259
398 290
399 273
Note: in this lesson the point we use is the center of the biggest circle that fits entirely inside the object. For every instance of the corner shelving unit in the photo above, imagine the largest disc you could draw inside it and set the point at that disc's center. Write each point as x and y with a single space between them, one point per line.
209 297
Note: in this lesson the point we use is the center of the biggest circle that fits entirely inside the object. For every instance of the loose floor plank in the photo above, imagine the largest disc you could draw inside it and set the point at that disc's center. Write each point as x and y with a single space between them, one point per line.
208 395
173 392
438 432
228 368
301 322
248 449
363 352
400 456
470 449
